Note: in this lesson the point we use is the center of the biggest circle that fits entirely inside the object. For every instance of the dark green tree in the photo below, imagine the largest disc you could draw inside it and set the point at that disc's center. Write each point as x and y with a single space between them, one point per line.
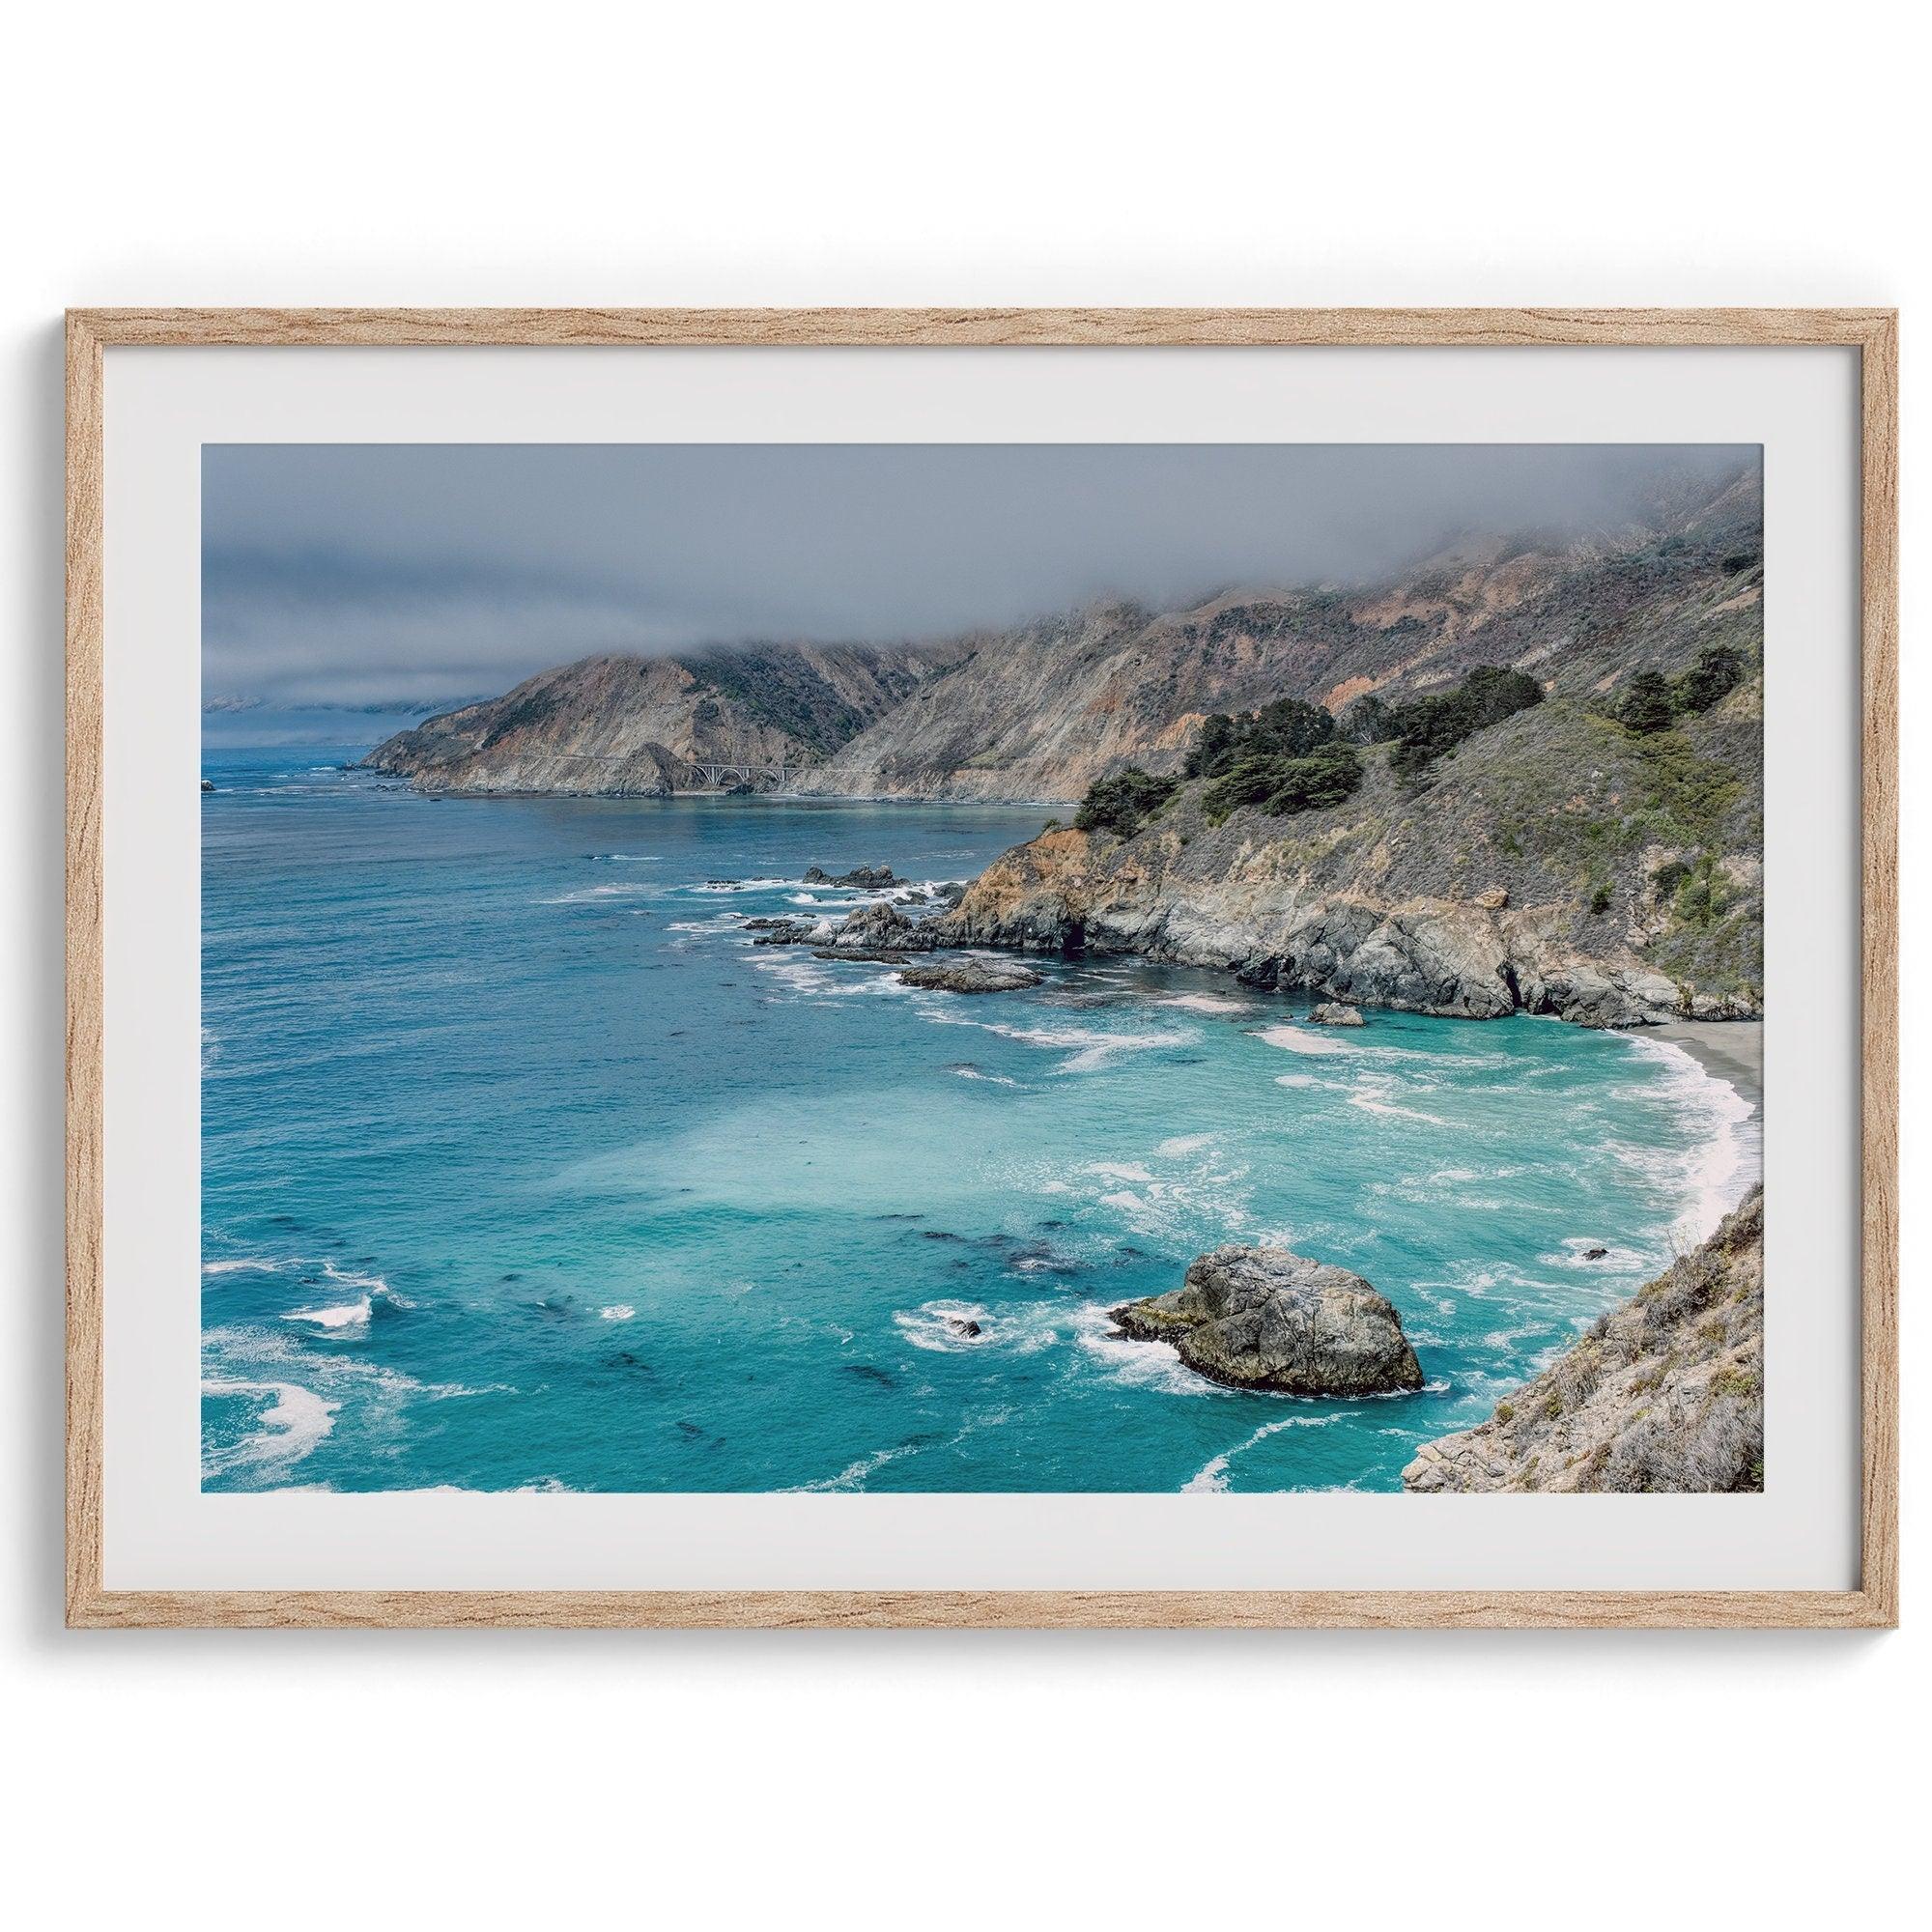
1717 673
1124 802
1646 706
1429 728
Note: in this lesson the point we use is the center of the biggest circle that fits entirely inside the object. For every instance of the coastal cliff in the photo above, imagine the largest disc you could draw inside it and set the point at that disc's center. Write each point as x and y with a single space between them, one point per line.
620 727
1041 712
1664 1393
1555 863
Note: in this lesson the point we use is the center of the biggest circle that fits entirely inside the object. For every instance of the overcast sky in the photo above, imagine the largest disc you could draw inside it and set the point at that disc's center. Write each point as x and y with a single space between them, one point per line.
394 574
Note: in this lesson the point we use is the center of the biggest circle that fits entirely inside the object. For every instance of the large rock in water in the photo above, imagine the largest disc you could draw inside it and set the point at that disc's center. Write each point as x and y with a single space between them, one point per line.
1268 1319
970 976
882 927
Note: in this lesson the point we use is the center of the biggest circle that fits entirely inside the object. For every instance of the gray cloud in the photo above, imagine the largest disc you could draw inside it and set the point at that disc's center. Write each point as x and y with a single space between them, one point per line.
399 575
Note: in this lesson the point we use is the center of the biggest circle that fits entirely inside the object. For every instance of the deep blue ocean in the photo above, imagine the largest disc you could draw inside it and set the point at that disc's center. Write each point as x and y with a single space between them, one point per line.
522 1168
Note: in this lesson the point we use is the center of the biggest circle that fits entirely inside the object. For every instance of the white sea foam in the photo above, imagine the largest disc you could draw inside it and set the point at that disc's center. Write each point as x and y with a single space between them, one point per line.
1179 1144
624 858
740 886
1212 1476
853 1475
293 1421
1092 1048
996 1079
1371 1092
350 1313
1207 1003
1150 1365
801 976
933 1327
1579 1251
1299 1039
1296 1080
1122 1170
1730 1152
618 1311
345 1315
244 1265
719 922
595 894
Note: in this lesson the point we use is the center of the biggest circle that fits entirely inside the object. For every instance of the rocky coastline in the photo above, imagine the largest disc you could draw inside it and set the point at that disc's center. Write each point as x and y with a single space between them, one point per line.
1069 893
1664 1393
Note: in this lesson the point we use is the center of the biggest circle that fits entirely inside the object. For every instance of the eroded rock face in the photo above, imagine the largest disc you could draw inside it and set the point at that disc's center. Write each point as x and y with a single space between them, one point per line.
1239 910
882 927
1665 1394
970 976
1270 1319
1329 1013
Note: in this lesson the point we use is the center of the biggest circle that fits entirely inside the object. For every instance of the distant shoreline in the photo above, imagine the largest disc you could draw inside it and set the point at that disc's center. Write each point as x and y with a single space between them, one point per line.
1729 1050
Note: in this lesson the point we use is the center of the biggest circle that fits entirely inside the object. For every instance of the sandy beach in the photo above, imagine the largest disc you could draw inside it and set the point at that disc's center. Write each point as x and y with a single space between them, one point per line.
1732 1050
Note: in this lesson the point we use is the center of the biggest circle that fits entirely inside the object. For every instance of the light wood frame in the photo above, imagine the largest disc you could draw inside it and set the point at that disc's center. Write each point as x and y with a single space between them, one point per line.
1872 332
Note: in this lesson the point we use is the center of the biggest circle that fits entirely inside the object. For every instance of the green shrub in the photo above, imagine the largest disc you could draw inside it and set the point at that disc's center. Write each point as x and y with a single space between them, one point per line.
1600 901
1124 802
1429 728
1703 896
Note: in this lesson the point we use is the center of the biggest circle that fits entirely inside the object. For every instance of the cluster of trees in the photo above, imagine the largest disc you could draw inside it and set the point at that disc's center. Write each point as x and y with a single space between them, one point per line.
1124 802
1653 703
1286 729
1282 785
1288 756
1425 728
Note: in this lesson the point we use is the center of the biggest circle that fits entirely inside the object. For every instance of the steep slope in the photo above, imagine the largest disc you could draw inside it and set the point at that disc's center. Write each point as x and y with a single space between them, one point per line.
1555 863
1041 712
1664 1393
643 727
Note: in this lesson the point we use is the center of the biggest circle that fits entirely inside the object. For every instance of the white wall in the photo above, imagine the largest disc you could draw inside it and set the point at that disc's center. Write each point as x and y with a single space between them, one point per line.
993 153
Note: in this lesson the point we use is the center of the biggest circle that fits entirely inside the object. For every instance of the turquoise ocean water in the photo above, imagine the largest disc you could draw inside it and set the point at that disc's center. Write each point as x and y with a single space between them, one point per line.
522 1168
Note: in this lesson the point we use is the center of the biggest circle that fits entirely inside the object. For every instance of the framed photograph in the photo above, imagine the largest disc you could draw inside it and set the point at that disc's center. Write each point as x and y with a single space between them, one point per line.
990 968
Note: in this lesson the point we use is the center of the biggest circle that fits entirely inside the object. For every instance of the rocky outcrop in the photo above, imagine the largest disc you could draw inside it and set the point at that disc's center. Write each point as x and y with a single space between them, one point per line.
1555 863
970 976
1267 1319
862 878
645 728
1330 1012
1664 1393
881 926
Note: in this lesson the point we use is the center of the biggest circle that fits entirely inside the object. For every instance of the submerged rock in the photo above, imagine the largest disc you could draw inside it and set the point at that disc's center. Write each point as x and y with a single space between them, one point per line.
208 785
1331 1012
865 877
1270 1319
789 931
969 976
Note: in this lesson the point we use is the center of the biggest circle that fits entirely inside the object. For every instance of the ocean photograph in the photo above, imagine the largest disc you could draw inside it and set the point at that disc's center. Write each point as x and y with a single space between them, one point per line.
982 967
